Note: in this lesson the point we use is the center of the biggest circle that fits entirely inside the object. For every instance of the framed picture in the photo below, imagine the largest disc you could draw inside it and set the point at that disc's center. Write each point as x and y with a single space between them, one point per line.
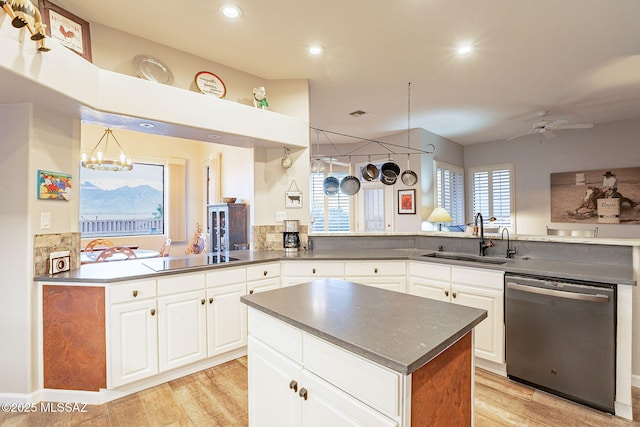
54 185
293 200
66 28
407 201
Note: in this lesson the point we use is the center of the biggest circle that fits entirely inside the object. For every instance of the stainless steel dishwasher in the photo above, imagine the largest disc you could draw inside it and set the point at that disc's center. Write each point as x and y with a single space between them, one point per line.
561 338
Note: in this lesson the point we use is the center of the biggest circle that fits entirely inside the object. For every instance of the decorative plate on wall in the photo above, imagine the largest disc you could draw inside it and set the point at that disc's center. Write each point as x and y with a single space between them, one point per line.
210 84
152 69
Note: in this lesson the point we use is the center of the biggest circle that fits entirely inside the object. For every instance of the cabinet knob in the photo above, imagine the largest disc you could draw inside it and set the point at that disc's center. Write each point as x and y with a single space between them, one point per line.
453 294
313 271
251 291
265 272
293 385
211 300
446 293
203 301
153 311
375 270
303 393
135 294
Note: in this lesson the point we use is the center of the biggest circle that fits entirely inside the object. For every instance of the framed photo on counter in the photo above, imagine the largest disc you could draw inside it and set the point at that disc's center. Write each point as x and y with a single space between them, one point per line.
407 201
66 28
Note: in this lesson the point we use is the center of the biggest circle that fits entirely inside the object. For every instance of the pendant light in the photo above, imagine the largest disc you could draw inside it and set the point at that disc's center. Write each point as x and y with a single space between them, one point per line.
99 158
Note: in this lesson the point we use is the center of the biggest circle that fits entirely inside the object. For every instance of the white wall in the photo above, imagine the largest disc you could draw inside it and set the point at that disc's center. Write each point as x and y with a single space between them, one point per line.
613 145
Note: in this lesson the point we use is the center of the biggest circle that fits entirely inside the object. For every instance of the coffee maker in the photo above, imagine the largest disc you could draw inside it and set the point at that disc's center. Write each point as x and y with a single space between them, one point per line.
290 235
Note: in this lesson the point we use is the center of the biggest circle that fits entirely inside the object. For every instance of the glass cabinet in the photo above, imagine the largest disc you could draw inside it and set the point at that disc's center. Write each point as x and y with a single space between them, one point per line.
227 223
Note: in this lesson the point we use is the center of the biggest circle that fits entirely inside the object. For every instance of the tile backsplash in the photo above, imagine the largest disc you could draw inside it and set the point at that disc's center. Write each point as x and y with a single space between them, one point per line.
269 237
44 244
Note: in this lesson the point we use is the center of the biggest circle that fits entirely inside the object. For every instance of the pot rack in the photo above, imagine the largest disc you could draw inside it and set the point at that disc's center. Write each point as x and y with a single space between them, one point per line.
391 148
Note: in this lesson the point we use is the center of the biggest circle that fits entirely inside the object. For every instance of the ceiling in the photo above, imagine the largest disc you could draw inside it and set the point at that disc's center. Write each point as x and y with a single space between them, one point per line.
577 59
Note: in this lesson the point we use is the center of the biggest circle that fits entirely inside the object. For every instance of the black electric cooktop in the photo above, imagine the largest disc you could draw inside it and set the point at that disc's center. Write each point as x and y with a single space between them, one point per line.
166 264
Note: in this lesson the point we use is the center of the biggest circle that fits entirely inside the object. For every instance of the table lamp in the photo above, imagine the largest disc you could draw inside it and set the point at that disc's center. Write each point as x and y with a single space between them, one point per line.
439 215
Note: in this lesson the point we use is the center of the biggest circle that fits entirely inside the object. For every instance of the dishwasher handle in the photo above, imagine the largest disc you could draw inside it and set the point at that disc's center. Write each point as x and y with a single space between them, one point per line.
560 294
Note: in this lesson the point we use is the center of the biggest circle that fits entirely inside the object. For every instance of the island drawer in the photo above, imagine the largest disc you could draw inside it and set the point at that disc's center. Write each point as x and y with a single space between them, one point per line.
132 291
310 269
181 283
263 271
276 334
371 383
375 268
226 276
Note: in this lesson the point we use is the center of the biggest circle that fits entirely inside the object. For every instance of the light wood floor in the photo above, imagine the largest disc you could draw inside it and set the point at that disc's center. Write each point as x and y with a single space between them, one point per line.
218 397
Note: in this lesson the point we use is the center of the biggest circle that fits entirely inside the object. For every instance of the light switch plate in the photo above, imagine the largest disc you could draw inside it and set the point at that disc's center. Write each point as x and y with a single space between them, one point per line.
45 220
281 216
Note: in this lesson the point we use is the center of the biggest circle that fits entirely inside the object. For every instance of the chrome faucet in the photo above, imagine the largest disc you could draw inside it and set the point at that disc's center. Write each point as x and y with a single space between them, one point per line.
483 245
510 252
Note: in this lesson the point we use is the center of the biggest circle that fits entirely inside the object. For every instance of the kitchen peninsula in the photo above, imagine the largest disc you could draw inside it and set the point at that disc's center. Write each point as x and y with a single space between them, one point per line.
338 343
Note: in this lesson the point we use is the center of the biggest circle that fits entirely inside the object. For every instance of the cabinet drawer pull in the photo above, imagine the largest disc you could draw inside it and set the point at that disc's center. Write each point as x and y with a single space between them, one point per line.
251 291
293 385
153 311
203 301
211 300
135 294
313 271
265 272
446 293
453 294
303 393
375 270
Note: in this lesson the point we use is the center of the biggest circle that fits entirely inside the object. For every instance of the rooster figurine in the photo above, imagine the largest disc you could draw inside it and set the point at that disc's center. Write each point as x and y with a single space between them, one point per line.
25 13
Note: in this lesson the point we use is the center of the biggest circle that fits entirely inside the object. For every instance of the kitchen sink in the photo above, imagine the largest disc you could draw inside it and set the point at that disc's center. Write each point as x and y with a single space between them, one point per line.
465 257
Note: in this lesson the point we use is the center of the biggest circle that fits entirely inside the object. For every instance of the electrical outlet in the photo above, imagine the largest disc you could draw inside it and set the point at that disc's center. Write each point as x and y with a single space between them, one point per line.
281 216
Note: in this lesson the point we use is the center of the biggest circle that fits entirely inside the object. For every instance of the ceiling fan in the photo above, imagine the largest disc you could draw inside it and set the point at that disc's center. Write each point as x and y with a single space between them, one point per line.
546 127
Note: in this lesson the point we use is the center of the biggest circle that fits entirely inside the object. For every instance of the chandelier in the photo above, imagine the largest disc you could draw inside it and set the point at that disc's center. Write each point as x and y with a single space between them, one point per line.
98 158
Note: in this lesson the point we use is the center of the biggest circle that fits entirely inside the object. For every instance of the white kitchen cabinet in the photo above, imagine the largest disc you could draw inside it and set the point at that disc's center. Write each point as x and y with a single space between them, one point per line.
390 275
297 272
283 391
226 314
263 277
133 332
182 335
472 287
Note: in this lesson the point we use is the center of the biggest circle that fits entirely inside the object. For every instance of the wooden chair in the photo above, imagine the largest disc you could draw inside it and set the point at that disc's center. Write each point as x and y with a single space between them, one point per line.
108 253
97 242
572 233
164 249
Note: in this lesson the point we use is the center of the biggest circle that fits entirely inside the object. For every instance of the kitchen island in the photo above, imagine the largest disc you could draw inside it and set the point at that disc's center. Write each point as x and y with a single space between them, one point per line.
334 350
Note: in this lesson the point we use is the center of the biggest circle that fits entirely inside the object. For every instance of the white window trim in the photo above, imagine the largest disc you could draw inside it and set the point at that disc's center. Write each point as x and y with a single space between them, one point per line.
457 169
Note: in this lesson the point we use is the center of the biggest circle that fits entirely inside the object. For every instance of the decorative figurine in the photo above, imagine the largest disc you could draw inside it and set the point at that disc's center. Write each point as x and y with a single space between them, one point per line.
260 98
198 242
25 13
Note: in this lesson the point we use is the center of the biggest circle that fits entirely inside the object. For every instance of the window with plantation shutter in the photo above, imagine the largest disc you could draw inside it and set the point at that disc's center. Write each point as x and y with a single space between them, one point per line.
492 194
450 191
329 213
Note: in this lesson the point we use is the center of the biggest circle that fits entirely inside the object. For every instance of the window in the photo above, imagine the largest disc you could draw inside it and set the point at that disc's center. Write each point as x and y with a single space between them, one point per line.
122 203
450 191
329 213
492 193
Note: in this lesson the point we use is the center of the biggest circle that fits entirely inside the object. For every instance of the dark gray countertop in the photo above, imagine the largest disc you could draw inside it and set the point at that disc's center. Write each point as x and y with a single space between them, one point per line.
396 330
136 269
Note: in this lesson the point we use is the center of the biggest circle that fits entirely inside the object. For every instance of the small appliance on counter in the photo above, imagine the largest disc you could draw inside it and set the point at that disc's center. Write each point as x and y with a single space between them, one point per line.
290 235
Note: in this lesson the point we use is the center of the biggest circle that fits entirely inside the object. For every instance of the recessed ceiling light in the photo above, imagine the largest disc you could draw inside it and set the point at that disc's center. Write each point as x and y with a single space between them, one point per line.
464 49
315 50
230 11
146 125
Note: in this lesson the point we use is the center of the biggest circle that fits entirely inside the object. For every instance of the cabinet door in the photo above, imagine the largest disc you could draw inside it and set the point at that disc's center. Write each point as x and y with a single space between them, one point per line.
273 398
181 329
327 405
134 342
489 334
429 288
226 319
